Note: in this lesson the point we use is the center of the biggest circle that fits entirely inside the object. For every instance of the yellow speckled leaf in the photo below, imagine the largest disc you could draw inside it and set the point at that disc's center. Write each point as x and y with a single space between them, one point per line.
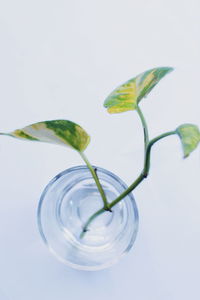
190 137
128 95
60 132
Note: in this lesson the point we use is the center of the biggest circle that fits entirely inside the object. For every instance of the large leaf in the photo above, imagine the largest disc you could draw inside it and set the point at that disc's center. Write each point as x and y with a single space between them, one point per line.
190 137
128 95
60 132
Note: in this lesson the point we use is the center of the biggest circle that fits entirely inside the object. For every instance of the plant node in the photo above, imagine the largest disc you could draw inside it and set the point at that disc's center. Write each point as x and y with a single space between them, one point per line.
108 209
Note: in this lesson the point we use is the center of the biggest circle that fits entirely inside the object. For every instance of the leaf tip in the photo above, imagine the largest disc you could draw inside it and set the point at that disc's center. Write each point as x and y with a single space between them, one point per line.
170 69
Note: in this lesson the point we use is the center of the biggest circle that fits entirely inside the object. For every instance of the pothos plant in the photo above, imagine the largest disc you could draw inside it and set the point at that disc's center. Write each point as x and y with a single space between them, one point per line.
124 98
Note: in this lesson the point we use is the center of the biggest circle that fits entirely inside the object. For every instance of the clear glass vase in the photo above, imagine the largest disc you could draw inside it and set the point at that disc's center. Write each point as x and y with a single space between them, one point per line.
66 204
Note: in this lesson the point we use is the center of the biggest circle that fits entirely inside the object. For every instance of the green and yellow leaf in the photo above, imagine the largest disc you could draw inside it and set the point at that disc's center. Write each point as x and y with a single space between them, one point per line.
60 132
128 95
190 137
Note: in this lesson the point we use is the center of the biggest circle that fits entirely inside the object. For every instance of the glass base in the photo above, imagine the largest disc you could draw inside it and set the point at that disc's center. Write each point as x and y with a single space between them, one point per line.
65 206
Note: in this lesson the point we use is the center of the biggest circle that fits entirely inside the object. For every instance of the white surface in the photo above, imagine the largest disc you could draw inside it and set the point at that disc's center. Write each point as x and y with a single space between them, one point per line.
60 59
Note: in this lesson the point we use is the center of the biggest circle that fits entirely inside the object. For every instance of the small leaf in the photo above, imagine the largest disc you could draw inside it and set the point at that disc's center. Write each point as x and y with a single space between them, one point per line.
190 137
60 132
128 95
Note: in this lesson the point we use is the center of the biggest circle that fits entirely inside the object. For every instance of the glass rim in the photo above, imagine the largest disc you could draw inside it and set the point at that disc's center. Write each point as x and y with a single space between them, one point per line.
45 240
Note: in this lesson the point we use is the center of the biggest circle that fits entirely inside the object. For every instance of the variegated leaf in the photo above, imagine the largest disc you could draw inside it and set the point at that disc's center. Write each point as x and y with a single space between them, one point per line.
190 137
128 95
60 132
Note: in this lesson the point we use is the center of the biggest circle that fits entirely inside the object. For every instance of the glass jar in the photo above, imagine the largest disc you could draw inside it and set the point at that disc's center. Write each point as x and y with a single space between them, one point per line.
66 204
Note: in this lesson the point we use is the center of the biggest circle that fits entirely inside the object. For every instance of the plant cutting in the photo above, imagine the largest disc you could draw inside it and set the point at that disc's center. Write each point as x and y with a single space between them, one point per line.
83 212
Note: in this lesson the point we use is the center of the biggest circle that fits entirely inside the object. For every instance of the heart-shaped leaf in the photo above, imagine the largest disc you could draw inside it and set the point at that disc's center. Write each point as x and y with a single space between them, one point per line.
128 95
190 137
60 132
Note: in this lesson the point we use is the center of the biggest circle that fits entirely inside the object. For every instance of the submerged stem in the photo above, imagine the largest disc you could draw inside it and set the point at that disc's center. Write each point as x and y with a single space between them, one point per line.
89 221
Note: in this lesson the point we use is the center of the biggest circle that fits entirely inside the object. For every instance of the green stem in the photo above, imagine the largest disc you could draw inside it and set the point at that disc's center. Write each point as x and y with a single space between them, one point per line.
148 150
128 190
140 178
96 179
85 228
145 171
145 128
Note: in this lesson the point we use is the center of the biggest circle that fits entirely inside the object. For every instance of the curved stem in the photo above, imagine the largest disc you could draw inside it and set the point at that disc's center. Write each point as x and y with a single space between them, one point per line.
145 171
140 178
148 150
145 128
96 179
96 214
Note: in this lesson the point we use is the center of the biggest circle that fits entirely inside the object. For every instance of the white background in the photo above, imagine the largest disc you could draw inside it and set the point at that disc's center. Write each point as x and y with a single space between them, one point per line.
60 59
